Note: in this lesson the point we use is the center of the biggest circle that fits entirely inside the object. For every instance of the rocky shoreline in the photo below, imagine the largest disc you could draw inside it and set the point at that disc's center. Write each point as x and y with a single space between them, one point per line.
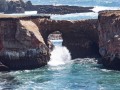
19 6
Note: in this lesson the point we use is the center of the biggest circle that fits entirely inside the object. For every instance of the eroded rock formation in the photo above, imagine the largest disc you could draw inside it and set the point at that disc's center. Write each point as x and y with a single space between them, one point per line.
12 6
21 43
80 37
51 9
109 38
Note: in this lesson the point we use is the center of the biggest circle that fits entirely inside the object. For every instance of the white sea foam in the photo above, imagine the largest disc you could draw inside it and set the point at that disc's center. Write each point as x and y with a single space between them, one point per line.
25 13
30 12
59 56
60 40
100 8
75 16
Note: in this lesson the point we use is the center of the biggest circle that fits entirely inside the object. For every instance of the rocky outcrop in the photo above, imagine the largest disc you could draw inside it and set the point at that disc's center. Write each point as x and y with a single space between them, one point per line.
51 9
109 38
80 37
19 6
21 43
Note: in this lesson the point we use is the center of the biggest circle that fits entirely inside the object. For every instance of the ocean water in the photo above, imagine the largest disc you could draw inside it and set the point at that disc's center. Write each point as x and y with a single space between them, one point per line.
62 73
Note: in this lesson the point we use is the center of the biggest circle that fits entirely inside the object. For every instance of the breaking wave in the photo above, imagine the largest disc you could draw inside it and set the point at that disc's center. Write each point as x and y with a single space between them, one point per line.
59 56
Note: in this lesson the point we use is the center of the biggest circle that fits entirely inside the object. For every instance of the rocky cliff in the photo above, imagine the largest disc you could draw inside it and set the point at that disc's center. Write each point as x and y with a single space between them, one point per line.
21 43
109 38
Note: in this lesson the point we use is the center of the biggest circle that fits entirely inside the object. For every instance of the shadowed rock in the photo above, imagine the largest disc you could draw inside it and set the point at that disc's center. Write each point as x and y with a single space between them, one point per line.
109 38
21 43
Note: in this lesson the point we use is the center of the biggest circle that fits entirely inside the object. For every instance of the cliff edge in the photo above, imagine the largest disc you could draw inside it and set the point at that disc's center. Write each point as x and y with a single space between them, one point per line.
21 43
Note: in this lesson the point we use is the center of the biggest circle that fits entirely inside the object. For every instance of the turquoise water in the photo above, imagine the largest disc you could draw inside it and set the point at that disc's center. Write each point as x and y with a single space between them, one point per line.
108 3
81 74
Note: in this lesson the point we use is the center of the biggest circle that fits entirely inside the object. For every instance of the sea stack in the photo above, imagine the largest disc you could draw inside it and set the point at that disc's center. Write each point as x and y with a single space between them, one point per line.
109 38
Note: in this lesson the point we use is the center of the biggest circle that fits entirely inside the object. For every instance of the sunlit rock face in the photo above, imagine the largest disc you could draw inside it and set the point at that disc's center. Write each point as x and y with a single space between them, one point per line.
21 44
80 37
109 38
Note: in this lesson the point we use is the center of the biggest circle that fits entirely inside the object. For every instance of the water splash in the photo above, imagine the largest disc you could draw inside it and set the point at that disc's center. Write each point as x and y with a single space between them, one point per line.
59 56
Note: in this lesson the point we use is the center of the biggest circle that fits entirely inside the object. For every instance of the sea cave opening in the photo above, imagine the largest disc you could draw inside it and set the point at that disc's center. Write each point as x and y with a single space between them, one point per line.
55 38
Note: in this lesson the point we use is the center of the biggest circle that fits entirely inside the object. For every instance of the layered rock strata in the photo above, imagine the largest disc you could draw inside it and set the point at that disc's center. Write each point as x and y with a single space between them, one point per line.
109 38
21 43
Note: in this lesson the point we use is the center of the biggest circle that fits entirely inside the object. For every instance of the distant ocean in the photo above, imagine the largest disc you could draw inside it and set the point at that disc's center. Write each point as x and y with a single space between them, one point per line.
62 73
97 4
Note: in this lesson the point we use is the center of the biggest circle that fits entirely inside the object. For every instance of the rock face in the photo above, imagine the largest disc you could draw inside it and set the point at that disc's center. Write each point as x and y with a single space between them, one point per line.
80 37
50 9
24 44
109 38
21 43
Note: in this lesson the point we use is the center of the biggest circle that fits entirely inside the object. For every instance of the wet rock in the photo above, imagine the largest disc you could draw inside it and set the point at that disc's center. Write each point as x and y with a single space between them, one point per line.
109 38
50 45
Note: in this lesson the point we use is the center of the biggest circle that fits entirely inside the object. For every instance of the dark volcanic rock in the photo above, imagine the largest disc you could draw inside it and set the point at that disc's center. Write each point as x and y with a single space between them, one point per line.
50 9
109 38
19 6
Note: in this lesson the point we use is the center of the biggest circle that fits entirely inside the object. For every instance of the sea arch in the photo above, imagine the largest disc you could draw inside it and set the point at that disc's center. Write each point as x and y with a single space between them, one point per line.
80 37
